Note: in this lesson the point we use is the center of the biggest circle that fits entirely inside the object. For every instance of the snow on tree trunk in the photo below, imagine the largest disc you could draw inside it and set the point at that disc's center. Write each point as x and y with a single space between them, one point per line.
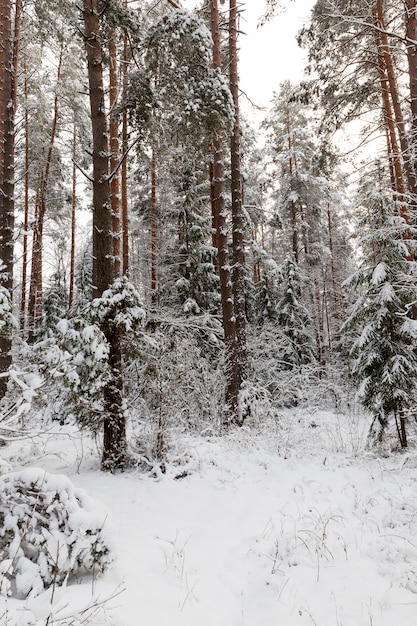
7 145
226 288
114 427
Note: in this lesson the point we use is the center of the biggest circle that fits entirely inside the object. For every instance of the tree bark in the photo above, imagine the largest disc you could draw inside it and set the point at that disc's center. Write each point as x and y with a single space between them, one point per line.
238 221
385 50
226 289
124 173
337 299
394 149
115 155
114 425
73 216
154 231
25 211
7 147
411 34
103 262
35 298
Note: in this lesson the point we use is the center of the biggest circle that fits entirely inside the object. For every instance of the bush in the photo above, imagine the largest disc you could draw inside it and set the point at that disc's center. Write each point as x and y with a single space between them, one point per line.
49 531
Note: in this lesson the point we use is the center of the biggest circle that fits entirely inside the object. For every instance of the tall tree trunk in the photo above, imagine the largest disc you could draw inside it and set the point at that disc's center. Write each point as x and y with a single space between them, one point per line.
25 210
115 155
124 193
114 427
7 146
411 34
73 216
226 289
337 299
292 168
238 221
384 49
35 299
213 212
394 149
154 231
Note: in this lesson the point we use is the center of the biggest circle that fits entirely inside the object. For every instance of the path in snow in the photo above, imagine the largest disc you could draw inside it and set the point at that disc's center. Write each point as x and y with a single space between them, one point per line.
250 538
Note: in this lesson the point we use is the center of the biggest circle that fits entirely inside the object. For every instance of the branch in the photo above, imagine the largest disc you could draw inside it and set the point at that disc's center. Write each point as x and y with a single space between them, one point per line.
123 157
83 171
255 106
363 22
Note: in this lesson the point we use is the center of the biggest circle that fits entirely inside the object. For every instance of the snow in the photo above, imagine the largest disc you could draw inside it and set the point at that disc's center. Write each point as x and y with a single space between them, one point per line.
290 522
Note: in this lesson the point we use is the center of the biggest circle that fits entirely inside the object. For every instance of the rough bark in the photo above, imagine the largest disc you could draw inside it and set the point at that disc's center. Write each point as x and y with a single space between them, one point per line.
7 145
226 289
114 426
238 221
411 34
25 212
115 155
124 172
154 231
394 149
337 299
103 263
35 297
73 216
384 49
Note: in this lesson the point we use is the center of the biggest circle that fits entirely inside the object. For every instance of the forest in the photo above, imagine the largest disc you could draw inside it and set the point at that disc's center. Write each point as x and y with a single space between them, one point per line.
198 306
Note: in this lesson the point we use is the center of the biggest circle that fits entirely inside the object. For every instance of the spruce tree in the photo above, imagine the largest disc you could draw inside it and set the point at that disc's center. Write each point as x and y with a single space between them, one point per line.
384 332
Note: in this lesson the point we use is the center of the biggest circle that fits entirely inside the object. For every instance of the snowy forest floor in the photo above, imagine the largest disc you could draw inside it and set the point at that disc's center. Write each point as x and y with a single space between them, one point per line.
287 523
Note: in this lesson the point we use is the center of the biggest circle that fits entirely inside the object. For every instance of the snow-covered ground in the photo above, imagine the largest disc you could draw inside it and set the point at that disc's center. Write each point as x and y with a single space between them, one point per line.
292 523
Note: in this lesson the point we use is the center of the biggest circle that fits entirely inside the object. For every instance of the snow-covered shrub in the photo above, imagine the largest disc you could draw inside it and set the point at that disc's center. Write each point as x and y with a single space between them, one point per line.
49 531
177 383
78 353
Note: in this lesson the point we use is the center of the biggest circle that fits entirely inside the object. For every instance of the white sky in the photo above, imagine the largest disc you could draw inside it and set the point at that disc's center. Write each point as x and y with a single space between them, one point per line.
269 54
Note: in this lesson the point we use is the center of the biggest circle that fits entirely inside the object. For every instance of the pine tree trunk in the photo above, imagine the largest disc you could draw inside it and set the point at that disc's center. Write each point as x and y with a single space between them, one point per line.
7 146
124 172
73 217
154 231
35 301
226 289
25 211
238 221
335 282
411 34
213 210
114 426
384 49
115 155
394 150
